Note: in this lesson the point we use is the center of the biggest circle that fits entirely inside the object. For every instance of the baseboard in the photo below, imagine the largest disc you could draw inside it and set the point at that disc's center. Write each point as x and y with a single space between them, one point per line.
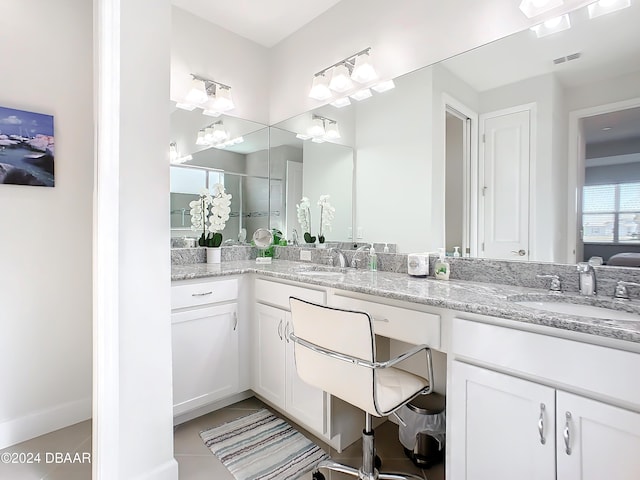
166 471
44 421
211 407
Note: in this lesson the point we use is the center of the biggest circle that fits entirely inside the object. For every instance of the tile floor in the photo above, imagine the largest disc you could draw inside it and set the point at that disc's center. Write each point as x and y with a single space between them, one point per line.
195 460
76 438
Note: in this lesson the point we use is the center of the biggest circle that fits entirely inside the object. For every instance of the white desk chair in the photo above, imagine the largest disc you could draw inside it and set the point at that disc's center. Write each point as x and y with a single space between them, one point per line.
335 351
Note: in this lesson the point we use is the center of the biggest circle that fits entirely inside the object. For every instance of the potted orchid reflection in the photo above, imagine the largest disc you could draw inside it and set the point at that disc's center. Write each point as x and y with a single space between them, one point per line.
327 212
209 214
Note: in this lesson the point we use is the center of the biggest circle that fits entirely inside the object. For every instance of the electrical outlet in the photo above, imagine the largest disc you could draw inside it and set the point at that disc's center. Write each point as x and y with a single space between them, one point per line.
305 255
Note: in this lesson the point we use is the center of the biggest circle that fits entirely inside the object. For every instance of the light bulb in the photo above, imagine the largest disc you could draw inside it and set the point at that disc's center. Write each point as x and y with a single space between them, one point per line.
197 94
219 133
363 71
222 101
332 132
320 88
341 79
317 128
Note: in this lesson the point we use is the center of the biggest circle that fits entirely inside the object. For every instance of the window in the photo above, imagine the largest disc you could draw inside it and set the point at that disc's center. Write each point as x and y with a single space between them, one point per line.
611 213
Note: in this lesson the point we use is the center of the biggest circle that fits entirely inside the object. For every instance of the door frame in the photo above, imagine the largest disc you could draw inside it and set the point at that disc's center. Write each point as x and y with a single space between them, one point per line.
532 108
575 176
470 170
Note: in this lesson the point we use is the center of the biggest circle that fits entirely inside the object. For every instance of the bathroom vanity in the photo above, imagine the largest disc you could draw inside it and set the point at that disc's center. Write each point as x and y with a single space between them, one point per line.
541 394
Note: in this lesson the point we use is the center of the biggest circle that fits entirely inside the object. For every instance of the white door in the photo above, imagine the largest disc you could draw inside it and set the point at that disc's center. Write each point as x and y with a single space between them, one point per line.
502 427
205 356
305 402
596 441
294 194
269 369
504 185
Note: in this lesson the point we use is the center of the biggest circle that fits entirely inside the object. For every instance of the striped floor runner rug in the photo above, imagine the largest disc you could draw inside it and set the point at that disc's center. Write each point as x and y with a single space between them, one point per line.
263 446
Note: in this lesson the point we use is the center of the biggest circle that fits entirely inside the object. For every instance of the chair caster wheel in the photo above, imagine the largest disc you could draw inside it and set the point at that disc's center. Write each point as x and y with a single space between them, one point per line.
317 476
377 462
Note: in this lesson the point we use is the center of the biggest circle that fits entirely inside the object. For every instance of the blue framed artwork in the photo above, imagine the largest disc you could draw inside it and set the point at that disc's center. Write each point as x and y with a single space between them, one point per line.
27 148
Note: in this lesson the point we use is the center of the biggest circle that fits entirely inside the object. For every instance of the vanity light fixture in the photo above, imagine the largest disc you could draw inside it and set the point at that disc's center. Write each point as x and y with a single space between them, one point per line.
321 130
554 25
607 6
213 134
533 8
357 67
213 97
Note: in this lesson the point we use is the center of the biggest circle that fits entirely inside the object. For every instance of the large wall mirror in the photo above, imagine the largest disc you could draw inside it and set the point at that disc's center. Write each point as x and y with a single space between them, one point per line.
239 161
492 150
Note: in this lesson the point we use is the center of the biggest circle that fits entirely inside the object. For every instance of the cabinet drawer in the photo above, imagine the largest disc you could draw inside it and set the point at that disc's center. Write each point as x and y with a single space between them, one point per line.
411 326
201 293
278 294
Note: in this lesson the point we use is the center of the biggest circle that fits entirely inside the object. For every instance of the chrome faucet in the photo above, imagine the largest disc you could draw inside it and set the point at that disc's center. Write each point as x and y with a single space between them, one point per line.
621 289
341 258
588 284
555 285
361 248
294 237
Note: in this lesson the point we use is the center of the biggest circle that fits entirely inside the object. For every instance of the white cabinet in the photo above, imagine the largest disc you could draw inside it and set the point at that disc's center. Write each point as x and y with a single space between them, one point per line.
275 376
596 440
205 343
269 374
502 427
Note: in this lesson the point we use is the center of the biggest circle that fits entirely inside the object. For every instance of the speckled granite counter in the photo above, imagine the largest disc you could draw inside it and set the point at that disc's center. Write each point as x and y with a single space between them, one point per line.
464 296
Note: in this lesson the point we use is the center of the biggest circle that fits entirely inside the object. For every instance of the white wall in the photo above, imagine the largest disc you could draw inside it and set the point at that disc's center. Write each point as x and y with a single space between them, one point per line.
45 233
205 49
405 35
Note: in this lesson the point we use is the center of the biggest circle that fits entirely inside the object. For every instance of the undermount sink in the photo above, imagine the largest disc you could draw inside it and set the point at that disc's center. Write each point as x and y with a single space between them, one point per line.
581 306
319 271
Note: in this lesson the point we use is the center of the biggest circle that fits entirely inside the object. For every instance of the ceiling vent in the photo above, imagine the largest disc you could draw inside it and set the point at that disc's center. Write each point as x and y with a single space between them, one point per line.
568 58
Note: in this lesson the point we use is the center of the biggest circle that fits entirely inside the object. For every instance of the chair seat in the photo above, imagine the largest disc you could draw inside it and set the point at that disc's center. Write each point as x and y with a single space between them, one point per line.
395 386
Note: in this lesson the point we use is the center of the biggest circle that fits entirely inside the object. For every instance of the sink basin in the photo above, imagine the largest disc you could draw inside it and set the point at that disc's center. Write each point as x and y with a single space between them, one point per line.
319 271
581 306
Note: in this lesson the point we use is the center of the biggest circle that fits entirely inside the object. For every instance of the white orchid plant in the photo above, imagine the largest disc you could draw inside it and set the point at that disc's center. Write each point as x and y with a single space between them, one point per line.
209 214
327 212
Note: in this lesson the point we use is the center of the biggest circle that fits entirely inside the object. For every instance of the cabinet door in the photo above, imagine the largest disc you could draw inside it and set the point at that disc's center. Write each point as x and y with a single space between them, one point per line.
502 428
205 356
305 402
270 372
603 441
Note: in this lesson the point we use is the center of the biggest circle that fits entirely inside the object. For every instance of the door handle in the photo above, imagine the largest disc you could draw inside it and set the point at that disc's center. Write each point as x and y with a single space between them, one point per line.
235 321
286 332
541 424
567 434
522 252
280 329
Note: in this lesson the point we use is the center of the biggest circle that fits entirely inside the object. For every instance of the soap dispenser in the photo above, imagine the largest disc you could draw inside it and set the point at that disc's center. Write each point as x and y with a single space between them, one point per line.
373 259
442 268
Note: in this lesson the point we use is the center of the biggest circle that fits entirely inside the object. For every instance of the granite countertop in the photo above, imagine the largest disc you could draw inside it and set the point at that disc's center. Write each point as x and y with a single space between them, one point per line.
465 296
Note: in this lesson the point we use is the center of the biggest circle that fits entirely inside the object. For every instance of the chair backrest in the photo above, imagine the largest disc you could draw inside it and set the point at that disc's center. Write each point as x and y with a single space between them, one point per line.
344 331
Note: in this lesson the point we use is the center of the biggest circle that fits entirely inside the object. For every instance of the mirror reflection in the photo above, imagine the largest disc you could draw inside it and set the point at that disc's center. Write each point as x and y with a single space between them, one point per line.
312 167
237 158
487 150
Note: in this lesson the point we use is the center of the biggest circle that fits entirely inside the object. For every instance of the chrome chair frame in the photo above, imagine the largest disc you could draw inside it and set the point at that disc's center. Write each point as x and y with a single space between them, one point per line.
368 470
